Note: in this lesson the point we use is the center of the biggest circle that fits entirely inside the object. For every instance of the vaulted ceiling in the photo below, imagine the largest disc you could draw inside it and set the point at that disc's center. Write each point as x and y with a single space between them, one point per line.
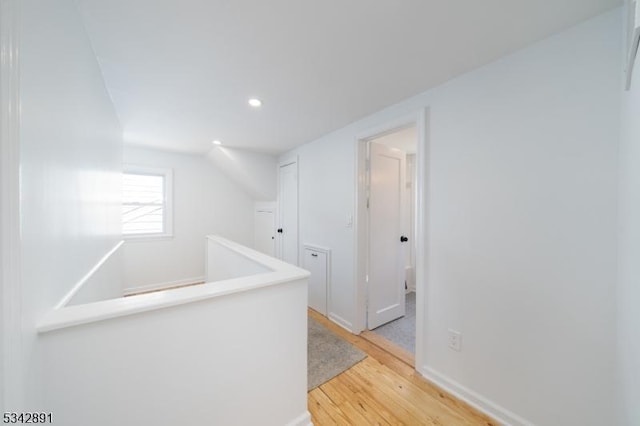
180 72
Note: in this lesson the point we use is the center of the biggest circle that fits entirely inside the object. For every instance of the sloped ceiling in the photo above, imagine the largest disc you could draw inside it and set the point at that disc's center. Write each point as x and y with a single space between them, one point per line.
180 72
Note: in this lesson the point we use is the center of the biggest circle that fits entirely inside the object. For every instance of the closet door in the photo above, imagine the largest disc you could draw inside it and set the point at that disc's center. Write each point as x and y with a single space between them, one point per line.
316 263
265 230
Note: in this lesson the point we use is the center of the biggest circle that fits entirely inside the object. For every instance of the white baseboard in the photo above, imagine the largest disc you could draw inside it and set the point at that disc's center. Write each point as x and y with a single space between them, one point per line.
341 322
303 419
159 286
479 402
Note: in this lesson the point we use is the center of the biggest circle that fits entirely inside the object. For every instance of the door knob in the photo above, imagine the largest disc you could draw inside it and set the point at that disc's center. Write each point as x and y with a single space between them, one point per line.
403 239
280 230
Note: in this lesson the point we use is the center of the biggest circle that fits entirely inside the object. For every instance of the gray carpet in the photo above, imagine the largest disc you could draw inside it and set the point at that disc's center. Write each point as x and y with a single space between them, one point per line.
328 355
402 331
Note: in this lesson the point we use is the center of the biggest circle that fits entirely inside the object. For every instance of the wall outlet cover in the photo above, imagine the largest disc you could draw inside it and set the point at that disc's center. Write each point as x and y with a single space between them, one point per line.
455 340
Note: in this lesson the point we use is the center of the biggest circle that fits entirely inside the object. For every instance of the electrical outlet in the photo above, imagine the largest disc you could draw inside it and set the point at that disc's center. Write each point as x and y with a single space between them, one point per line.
455 340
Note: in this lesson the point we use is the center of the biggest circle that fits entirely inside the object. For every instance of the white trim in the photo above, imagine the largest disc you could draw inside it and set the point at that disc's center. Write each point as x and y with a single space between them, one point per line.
165 285
360 235
342 322
281 273
477 401
303 419
314 247
74 290
422 232
11 359
420 119
167 173
388 127
146 238
633 41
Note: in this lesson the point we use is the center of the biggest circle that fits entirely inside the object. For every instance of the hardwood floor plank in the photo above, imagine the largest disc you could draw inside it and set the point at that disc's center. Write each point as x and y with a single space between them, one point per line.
355 415
323 410
389 408
374 413
395 350
386 389
410 396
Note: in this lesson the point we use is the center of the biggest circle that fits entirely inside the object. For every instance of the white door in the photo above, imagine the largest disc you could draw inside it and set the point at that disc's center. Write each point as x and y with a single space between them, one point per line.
386 250
265 230
316 263
287 232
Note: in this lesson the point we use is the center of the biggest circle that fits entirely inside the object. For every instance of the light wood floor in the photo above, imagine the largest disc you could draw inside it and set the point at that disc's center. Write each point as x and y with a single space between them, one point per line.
163 289
384 390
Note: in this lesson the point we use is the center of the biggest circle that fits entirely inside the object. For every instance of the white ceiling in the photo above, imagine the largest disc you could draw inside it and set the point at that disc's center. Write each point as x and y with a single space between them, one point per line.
180 72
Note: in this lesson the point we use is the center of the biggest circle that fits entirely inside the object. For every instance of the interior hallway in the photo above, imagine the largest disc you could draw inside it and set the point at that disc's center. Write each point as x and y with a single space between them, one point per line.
383 389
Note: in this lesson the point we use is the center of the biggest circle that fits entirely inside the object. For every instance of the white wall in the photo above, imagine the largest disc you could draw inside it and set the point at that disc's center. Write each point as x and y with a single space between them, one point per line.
71 156
629 254
523 243
97 285
175 357
255 172
522 225
224 263
208 362
229 352
326 179
205 202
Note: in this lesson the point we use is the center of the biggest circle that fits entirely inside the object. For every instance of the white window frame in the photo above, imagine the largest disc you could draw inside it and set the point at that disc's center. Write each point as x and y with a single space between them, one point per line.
168 201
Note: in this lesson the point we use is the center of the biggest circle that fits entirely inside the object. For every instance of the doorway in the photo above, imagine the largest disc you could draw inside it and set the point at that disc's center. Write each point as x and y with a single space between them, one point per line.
264 239
393 240
287 231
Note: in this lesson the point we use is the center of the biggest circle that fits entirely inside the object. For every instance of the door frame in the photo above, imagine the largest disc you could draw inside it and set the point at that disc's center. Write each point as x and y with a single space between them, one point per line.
11 384
419 119
285 161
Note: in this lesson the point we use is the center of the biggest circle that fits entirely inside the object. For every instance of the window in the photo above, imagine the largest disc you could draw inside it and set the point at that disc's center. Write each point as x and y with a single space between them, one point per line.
146 206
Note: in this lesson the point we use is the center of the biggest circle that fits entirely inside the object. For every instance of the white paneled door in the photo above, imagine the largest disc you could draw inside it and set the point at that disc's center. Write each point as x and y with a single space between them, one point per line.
386 238
315 261
287 231
264 233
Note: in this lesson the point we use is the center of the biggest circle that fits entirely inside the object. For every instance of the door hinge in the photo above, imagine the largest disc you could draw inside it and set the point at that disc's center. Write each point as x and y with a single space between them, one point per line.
367 202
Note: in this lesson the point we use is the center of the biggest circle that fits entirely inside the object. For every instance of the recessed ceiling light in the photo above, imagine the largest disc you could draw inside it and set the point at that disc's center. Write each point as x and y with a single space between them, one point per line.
255 102
216 142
